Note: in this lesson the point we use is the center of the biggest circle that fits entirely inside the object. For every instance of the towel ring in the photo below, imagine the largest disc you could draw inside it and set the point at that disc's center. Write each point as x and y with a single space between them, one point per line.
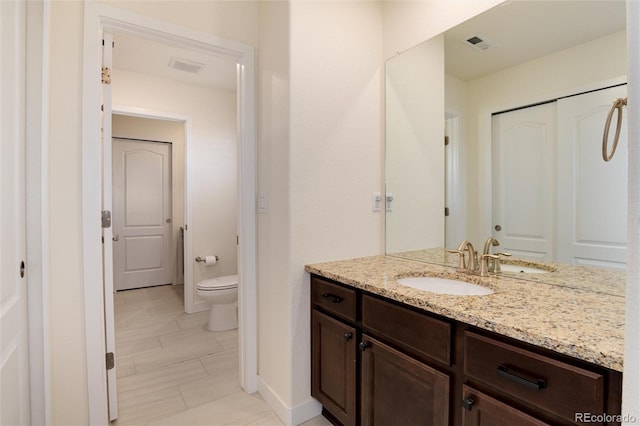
617 106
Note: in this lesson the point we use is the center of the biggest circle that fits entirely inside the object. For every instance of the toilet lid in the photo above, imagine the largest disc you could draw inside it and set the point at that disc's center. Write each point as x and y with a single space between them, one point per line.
220 283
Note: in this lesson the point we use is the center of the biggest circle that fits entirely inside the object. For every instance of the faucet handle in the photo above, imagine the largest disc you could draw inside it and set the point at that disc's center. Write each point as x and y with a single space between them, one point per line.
461 263
484 264
496 262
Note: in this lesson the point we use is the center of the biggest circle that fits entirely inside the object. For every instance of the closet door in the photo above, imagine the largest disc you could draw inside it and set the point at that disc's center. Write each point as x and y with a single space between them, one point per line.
592 193
523 181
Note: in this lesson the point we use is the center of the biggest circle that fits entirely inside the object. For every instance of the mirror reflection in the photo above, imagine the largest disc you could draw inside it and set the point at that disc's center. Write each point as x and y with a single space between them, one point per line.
501 118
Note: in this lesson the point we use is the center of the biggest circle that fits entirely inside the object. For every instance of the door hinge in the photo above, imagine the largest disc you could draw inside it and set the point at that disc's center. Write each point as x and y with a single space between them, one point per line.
111 361
106 75
106 219
446 211
446 140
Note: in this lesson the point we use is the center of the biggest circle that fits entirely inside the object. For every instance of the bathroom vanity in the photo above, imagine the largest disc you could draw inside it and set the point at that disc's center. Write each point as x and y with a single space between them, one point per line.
529 354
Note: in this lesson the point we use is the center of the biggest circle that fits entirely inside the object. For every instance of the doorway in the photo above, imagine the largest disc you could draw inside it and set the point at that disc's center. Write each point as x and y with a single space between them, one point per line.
100 18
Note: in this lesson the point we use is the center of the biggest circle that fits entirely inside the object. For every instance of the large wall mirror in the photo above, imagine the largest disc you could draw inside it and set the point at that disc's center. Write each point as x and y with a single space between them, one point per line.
494 129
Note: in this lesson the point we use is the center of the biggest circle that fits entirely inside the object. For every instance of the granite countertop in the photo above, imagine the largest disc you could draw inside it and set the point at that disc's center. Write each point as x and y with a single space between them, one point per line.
568 314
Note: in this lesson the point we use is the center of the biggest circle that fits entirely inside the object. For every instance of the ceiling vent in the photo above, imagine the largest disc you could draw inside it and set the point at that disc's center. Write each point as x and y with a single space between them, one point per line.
185 65
479 42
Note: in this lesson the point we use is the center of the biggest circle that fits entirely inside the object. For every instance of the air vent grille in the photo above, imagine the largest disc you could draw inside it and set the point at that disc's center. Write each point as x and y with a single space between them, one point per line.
479 42
185 65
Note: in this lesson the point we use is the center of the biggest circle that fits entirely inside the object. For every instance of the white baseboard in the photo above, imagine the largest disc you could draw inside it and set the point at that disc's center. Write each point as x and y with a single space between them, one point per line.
289 416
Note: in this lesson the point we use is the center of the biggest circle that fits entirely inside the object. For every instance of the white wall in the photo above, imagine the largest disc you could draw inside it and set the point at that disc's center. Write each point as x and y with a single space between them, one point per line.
415 148
69 402
125 126
320 160
212 156
335 153
274 319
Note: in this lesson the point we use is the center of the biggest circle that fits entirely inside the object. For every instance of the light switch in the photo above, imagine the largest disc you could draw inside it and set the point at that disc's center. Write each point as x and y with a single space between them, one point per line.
376 201
389 201
262 203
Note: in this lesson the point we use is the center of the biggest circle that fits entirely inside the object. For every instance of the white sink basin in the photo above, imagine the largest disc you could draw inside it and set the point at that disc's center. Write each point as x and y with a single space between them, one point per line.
507 267
445 286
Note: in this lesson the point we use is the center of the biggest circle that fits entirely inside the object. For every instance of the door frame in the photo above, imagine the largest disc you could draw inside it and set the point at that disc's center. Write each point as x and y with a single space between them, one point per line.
98 18
38 17
455 192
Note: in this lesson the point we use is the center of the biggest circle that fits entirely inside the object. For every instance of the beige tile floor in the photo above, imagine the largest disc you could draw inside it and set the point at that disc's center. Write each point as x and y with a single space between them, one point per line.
173 371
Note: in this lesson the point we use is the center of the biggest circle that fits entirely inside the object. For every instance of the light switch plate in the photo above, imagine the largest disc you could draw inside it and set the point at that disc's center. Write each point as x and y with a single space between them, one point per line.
376 201
262 203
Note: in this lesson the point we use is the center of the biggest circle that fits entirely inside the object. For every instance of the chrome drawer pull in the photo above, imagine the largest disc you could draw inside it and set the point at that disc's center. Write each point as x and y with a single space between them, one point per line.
521 378
333 297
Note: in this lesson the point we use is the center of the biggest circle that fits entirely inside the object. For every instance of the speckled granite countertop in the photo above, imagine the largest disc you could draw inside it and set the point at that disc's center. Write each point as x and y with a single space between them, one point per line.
570 316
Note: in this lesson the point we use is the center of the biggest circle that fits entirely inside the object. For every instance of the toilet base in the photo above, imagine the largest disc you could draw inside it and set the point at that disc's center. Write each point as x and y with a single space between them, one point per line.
223 317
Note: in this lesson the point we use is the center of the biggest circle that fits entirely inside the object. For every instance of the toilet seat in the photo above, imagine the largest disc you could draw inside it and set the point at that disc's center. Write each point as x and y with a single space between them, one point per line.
221 283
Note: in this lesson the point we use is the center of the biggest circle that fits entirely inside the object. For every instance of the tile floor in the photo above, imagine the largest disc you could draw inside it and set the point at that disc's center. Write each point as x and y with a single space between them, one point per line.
173 371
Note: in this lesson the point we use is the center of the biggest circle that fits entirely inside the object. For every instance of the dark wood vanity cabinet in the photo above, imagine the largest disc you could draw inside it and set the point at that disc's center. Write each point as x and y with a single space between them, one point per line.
378 362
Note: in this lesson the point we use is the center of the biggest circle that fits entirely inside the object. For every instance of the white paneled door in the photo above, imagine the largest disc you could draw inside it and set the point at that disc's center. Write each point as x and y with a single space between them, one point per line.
14 361
554 197
592 223
142 214
523 181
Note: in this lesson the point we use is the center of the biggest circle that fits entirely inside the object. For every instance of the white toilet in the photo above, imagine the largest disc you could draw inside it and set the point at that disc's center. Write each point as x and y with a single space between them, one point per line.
222 292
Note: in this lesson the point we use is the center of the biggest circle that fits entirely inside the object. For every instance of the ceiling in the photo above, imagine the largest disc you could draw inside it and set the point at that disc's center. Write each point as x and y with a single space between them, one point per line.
145 56
522 30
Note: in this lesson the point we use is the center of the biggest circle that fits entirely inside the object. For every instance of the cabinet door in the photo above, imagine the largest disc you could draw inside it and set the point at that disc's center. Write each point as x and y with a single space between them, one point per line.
333 366
399 390
482 410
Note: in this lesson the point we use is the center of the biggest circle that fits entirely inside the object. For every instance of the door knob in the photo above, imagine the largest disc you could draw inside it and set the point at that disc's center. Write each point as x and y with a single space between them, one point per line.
116 237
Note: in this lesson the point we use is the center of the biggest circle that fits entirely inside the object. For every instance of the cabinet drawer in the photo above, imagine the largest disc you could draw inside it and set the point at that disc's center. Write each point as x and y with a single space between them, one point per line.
417 332
333 298
552 385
